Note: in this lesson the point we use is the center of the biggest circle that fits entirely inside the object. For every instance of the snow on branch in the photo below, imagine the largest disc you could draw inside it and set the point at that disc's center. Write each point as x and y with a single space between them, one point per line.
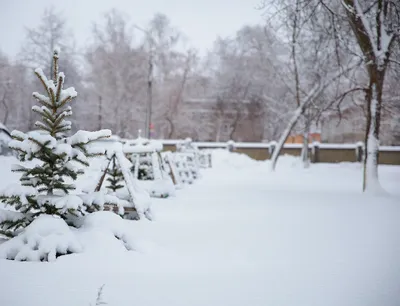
44 100
66 95
312 95
84 137
373 33
43 111
60 84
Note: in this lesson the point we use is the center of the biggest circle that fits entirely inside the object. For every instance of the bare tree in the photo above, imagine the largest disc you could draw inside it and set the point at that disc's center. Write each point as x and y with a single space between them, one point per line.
244 68
172 72
116 76
175 93
5 92
376 27
256 110
41 41
310 33
15 93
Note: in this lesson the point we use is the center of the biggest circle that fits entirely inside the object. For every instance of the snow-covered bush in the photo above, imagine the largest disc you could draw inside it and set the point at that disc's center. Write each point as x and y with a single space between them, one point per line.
110 224
46 238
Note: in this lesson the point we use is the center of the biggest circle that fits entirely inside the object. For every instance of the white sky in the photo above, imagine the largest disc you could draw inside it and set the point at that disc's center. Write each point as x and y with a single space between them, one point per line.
200 20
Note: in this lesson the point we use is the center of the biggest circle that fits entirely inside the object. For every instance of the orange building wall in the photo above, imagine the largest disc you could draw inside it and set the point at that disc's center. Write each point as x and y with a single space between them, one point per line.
299 138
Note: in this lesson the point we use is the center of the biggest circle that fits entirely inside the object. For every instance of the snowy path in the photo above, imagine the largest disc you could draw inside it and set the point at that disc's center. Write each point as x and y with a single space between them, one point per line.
240 236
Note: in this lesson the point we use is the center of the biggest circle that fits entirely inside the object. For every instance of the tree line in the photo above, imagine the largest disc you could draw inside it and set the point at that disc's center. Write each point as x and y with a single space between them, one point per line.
305 60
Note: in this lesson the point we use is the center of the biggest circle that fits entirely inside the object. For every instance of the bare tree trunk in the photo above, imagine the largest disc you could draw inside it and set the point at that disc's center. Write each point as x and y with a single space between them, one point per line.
373 29
100 117
235 122
294 57
219 126
233 129
306 135
374 102
314 93
149 96
173 109
172 127
6 110
284 136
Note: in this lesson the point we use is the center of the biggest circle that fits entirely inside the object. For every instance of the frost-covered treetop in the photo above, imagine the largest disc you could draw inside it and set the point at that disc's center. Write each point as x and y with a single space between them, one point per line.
53 106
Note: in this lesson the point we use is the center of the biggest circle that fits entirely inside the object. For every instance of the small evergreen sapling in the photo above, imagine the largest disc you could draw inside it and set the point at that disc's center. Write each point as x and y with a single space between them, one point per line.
115 176
45 188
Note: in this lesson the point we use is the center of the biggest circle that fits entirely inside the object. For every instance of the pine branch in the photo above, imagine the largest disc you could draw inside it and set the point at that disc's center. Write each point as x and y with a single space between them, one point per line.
7 233
65 101
39 73
60 84
83 162
42 126
10 200
67 112
43 111
45 101
55 63
17 135
52 97
64 128
17 149
58 120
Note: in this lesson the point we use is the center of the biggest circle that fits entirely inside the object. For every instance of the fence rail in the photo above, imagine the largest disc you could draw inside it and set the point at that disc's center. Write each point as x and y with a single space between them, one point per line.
318 152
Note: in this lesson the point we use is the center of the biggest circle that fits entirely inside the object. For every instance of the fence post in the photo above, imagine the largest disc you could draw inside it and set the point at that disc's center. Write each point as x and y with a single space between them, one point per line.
315 152
359 151
271 148
230 145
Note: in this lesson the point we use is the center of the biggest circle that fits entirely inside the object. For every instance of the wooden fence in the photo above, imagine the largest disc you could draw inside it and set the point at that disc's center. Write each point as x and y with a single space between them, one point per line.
318 152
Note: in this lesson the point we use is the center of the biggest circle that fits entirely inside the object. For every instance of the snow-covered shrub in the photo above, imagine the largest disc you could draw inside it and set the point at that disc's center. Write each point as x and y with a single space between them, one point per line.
111 224
46 238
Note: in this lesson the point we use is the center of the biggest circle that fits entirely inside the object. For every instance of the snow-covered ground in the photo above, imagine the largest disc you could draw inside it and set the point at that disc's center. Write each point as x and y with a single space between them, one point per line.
241 235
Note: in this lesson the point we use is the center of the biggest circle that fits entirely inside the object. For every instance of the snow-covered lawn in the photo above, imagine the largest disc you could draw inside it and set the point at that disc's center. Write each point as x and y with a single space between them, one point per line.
239 236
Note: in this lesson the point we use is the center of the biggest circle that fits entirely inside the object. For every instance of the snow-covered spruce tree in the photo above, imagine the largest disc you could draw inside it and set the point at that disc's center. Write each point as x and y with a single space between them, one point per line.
44 188
115 176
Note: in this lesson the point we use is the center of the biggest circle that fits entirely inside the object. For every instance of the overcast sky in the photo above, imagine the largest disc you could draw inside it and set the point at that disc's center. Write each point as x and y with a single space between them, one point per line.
200 20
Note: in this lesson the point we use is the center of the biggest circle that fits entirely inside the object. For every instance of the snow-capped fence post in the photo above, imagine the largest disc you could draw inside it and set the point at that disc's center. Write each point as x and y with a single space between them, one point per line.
272 147
315 152
359 151
230 145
